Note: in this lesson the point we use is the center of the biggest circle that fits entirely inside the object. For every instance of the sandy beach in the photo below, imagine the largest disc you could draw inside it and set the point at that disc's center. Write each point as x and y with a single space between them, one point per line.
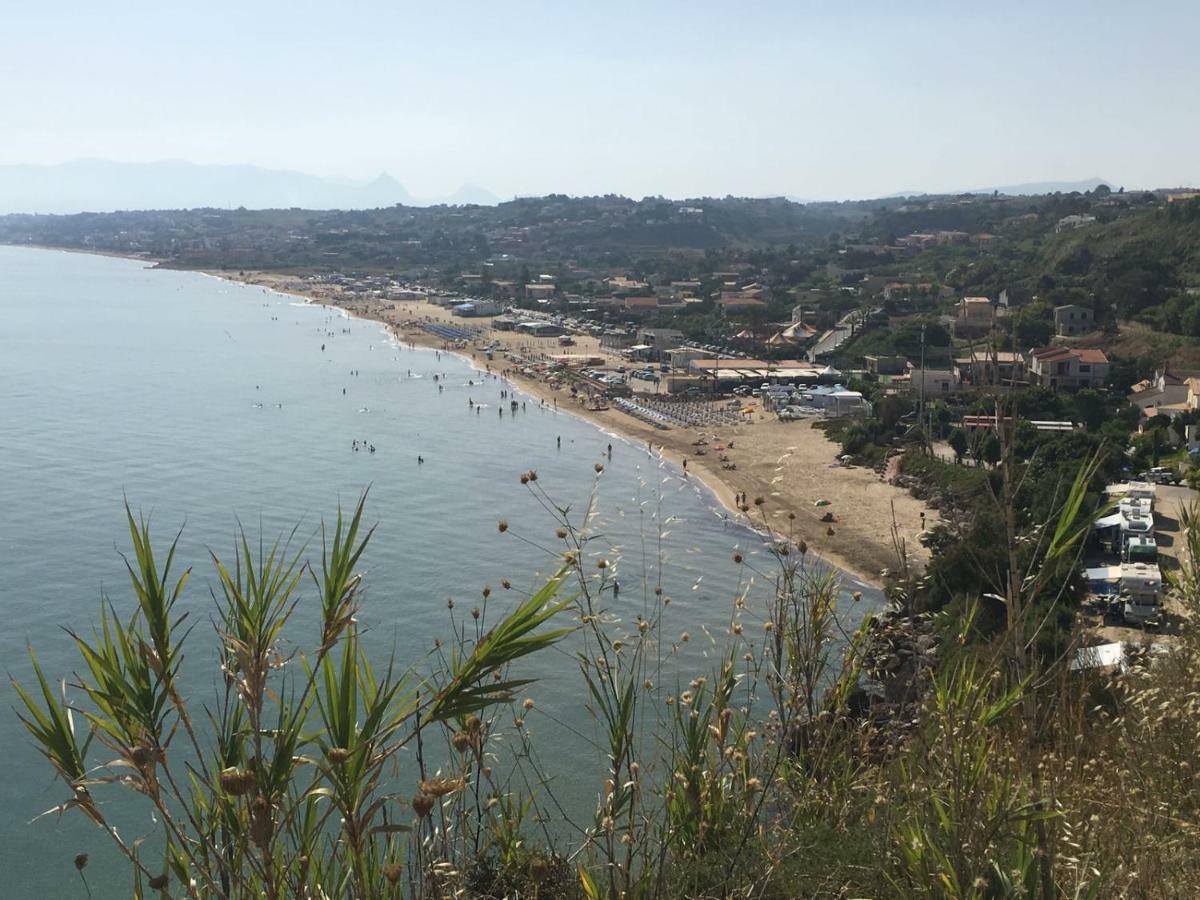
789 465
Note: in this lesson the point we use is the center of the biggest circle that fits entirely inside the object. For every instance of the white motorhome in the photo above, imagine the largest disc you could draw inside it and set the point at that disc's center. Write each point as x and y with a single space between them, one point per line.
1141 591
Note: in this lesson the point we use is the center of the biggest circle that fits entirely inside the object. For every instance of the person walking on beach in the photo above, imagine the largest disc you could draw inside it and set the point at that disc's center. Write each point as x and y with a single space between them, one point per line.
560 443
610 451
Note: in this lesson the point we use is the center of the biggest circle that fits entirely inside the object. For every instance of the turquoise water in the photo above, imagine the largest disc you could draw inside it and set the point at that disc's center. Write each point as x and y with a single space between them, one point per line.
207 404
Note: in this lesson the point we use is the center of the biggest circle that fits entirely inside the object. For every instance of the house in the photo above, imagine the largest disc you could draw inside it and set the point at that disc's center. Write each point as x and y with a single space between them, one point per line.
619 284
975 308
1067 367
541 292
641 305
1070 320
659 340
615 341
682 357
1166 394
1070 223
737 301
990 367
684 288
974 317
931 382
886 365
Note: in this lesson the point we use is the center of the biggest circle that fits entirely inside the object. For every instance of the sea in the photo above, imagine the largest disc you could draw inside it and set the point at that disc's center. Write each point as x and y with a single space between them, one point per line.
210 406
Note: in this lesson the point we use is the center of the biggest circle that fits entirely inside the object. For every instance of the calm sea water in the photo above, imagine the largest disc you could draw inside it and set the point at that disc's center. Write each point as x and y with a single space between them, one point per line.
209 404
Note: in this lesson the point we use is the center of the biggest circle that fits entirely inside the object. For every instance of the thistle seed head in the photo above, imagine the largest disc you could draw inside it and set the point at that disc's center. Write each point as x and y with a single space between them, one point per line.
422 805
236 782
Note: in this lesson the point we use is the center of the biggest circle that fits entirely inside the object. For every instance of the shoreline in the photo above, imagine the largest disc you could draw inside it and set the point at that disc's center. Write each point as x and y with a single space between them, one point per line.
788 466
863 562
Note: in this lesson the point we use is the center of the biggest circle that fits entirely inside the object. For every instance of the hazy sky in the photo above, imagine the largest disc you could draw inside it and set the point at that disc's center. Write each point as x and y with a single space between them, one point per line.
840 98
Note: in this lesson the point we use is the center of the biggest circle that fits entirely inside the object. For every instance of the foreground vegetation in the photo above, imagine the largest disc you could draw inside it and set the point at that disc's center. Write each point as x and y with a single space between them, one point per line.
920 756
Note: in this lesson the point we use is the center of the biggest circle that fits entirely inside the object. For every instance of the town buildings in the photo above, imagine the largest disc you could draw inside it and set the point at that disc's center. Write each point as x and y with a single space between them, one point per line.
1068 367
1071 320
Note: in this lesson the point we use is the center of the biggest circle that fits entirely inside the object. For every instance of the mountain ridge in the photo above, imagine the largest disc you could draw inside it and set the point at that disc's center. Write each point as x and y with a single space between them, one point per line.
100 185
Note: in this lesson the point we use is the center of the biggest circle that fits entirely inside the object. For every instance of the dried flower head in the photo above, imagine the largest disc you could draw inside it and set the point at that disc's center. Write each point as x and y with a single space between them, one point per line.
487 591
561 534
440 787
737 557
685 637
475 613
502 526
599 467
81 861
461 741
392 872
527 703
759 501
602 564
422 805
236 782
506 584
158 882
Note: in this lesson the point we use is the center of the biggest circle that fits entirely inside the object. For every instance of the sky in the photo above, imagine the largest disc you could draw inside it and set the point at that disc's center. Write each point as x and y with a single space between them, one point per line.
819 100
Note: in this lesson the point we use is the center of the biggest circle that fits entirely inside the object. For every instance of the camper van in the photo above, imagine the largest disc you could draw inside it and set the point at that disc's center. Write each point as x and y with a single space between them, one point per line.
1141 589
1140 548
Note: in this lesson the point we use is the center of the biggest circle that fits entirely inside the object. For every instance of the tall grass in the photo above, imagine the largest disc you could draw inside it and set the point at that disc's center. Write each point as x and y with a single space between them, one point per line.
784 770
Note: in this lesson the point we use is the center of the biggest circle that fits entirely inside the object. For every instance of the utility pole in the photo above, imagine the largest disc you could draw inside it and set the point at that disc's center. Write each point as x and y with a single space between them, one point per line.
921 410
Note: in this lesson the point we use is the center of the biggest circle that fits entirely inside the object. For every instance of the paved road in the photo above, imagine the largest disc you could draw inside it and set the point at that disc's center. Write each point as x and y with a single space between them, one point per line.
1167 502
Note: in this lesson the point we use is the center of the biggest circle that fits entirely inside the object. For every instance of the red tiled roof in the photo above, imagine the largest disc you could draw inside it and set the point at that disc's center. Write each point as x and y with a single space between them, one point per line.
1058 354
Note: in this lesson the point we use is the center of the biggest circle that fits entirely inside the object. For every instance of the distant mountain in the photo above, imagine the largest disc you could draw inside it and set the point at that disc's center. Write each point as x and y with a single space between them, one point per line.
1046 187
95 185
1029 188
469 195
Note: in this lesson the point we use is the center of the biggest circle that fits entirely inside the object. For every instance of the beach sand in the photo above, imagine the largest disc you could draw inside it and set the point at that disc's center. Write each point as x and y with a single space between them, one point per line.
790 465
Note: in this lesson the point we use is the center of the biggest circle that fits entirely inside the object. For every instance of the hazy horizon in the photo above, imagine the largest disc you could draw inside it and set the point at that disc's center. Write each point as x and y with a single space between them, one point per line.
681 101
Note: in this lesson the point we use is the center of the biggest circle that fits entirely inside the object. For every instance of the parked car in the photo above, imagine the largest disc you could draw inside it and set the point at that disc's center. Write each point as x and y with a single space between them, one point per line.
1162 475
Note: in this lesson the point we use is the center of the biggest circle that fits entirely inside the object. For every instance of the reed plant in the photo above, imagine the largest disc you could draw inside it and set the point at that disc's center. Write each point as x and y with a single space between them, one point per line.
787 767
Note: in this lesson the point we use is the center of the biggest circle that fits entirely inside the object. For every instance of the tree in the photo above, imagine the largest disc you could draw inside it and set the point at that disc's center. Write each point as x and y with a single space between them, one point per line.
958 443
992 449
1090 408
